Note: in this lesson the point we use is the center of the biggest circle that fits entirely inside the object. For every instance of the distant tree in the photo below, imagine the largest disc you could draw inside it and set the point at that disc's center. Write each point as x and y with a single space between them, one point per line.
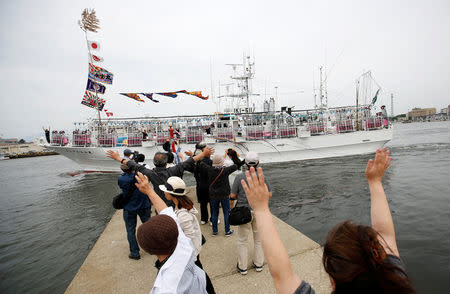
21 141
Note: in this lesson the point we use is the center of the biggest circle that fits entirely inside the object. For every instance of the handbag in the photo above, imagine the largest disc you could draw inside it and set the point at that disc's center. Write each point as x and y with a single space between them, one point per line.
240 215
119 201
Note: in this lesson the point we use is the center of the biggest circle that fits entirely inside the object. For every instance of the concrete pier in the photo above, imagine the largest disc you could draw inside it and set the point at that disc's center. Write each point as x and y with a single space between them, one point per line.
107 269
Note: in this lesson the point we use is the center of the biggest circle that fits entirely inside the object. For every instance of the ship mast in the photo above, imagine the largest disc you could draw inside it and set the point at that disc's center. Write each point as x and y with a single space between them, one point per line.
243 73
90 22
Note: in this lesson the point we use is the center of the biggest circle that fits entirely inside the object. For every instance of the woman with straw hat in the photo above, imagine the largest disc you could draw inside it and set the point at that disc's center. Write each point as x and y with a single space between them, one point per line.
175 189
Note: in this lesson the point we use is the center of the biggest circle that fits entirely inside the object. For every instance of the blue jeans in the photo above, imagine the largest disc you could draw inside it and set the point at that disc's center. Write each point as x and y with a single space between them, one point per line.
215 213
130 218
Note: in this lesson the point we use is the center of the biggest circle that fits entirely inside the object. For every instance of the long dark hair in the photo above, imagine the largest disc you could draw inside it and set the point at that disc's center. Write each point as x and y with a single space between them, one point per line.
234 157
355 259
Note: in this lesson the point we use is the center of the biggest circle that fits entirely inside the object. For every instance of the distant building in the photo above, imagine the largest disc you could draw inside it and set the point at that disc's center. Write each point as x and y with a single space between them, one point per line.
421 113
9 141
446 110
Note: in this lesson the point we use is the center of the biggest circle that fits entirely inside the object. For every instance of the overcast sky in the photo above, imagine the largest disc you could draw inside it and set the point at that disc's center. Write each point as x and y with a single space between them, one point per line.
153 46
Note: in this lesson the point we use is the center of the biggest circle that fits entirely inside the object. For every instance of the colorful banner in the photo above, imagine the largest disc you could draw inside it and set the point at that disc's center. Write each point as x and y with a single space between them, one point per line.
198 94
92 103
99 74
168 94
93 86
91 96
133 96
150 96
96 58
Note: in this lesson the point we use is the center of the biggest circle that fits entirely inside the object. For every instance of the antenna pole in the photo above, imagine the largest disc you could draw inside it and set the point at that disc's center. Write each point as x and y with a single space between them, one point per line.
392 105
320 88
357 106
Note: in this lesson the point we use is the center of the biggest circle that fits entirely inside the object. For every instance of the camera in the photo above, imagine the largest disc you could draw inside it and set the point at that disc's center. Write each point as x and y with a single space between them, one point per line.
135 156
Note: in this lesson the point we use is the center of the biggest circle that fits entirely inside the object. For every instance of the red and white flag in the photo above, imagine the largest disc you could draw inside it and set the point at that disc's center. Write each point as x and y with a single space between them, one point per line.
94 45
96 58
108 113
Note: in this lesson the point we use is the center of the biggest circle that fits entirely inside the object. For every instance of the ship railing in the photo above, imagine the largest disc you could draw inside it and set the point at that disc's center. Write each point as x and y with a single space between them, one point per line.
81 140
270 133
59 139
224 134
134 139
316 128
287 131
374 123
107 140
344 126
194 135
253 133
162 137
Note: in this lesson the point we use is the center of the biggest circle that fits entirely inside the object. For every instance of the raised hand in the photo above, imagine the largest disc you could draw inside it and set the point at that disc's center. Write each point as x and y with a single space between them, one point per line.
189 153
375 168
114 155
257 193
142 184
208 151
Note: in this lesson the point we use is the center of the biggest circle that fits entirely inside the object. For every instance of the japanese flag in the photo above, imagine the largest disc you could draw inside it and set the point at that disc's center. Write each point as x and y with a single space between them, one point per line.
96 58
93 45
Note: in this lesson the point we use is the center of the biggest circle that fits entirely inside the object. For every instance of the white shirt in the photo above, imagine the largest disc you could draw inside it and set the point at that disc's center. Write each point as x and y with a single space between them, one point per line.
179 274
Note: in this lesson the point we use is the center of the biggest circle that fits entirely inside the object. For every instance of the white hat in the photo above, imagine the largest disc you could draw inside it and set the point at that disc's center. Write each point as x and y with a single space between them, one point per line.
218 160
252 158
175 186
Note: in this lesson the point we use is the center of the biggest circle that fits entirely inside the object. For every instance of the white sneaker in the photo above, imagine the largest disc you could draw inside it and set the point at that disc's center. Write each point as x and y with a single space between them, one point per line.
203 222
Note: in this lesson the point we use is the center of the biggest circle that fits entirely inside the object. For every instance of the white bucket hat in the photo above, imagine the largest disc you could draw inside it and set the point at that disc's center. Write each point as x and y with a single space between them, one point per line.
175 186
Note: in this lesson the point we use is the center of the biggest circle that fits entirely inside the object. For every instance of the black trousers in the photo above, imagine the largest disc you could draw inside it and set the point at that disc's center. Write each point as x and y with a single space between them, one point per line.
203 199
209 285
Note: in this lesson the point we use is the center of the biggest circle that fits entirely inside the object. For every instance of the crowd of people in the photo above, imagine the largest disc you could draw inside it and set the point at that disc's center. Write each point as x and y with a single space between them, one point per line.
357 258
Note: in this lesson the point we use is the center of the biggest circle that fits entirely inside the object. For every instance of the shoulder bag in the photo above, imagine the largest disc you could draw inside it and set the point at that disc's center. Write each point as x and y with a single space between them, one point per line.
240 215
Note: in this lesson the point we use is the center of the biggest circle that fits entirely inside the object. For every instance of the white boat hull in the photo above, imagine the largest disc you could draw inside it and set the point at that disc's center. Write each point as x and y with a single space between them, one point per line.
270 150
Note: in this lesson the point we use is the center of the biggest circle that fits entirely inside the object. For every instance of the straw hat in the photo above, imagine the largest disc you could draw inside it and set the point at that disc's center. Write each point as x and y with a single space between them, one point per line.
175 186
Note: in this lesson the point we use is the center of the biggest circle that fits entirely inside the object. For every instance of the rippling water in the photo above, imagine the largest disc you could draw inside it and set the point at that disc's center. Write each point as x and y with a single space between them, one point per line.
49 220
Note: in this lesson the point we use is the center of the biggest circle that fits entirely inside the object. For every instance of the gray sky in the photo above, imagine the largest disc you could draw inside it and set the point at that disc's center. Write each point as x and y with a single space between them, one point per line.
153 46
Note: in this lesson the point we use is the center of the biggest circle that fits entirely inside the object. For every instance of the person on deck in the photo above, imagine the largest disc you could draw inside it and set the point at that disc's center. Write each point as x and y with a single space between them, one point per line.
47 134
358 258
137 205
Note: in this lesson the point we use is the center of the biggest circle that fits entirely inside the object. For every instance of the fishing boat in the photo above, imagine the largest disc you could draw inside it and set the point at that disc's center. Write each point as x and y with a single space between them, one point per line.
242 121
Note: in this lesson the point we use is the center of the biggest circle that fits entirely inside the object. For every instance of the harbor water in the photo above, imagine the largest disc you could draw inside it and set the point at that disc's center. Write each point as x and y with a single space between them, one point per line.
49 220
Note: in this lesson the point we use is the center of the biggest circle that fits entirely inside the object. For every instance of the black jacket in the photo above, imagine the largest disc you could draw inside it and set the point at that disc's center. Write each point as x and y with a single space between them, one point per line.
221 187
159 175
201 174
